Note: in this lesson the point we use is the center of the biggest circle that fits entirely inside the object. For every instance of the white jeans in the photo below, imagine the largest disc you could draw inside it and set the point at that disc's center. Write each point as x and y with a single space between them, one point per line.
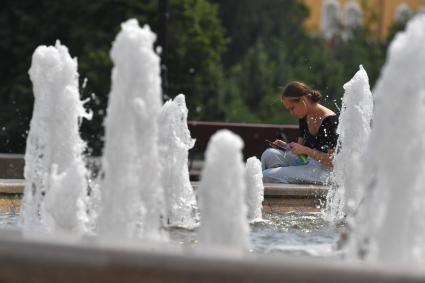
286 167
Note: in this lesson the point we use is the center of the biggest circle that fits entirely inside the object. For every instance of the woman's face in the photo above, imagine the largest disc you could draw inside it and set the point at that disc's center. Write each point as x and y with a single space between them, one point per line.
296 106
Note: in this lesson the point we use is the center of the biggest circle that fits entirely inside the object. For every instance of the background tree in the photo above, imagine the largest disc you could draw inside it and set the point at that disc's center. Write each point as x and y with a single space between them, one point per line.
270 47
196 45
88 29
230 58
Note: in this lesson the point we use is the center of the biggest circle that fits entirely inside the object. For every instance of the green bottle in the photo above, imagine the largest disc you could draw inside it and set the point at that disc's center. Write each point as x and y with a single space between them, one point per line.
303 158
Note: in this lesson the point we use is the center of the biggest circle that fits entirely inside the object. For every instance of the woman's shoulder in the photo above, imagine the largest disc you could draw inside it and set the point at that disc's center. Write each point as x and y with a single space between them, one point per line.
331 119
326 112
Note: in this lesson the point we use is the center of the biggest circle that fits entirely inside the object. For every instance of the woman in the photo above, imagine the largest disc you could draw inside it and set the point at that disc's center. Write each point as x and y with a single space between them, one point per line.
317 140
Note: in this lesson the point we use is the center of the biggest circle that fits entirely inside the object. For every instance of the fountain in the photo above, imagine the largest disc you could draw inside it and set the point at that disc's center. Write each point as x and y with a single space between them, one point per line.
56 188
132 205
393 174
254 189
222 194
131 192
174 143
353 130
115 206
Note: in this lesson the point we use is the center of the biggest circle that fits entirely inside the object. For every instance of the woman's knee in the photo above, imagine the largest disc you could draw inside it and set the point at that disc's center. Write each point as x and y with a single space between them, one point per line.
269 154
266 177
269 176
265 155
269 159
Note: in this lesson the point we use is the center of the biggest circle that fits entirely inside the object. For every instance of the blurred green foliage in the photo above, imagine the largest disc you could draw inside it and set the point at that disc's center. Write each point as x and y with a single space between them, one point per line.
269 47
230 58
88 28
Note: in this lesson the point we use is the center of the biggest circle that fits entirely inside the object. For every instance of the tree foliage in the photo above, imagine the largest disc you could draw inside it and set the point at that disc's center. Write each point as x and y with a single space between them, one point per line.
88 28
269 47
230 58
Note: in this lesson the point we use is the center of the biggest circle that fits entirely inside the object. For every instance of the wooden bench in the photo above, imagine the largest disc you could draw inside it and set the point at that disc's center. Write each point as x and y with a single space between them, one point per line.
11 166
253 135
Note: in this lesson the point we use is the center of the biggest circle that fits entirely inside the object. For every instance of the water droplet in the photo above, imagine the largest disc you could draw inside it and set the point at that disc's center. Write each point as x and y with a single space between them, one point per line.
84 83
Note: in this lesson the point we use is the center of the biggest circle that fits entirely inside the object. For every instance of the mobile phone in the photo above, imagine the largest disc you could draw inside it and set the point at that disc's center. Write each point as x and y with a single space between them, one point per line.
302 157
277 145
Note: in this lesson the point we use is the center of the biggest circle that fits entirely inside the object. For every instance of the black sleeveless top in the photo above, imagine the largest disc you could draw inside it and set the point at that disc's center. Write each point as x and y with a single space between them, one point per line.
325 139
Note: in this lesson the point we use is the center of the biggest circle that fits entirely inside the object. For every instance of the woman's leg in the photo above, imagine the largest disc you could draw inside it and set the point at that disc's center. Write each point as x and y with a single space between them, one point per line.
273 158
311 173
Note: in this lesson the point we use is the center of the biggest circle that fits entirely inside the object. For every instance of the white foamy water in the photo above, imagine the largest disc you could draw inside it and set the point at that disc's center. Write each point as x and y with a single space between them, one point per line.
55 175
391 221
221 194
254 188
354 130
174 144
329 19
131 192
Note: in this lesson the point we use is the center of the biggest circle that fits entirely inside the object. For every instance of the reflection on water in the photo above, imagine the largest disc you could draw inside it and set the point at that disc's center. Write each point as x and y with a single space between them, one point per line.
293 233
290 233
9 210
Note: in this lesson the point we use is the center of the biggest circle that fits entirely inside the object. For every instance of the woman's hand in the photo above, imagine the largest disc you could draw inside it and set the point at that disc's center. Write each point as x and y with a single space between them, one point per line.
298 148
324 158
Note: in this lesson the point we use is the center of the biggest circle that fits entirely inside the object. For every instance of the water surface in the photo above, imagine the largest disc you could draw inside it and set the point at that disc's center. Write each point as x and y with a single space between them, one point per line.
290 233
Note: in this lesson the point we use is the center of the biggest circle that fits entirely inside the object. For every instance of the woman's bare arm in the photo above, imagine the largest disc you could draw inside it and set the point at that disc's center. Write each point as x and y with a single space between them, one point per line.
324 158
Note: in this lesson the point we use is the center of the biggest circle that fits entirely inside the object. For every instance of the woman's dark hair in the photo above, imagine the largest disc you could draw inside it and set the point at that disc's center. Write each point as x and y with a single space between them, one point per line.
299 89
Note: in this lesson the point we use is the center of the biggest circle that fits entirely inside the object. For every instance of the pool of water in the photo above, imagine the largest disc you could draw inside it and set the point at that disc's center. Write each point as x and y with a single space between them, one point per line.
292 233
9 210
289 233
